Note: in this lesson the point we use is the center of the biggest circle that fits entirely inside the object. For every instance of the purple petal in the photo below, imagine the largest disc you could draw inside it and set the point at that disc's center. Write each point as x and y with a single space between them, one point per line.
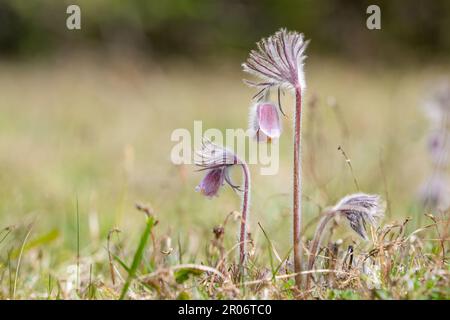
211 183
268 120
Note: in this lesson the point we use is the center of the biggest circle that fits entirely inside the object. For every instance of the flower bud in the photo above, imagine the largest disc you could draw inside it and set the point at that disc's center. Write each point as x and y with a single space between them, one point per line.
265 122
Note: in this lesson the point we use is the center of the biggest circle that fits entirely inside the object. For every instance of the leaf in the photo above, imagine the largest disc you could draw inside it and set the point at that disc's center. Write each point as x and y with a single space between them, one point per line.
41 240
269 243
183 274
122 264
184 296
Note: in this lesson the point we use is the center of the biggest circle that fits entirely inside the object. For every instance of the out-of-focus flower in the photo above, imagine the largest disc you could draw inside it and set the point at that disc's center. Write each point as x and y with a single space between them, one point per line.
359 209
439 147
435 193
265 122
437 102
216 161
278 61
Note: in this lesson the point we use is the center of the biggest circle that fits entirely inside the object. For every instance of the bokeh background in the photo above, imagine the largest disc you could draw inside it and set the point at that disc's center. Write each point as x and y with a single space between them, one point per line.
86 115
195 29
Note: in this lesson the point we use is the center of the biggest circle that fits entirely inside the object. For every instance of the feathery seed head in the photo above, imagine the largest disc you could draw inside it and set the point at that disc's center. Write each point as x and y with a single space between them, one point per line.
278 61
359 209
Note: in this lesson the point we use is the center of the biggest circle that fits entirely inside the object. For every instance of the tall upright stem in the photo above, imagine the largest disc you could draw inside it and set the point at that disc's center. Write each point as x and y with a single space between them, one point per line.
297 207
245 209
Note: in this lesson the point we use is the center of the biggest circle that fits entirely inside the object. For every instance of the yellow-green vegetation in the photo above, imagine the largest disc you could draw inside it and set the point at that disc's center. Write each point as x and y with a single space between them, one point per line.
84 138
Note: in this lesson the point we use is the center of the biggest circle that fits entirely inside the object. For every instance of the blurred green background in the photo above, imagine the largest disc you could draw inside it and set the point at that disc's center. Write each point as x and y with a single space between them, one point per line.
199 28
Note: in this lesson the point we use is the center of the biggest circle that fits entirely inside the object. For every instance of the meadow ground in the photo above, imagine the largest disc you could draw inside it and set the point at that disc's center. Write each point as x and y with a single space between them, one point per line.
85 138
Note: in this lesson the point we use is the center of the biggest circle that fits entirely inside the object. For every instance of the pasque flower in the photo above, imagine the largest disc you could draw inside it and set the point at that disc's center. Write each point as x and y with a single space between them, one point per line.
437 103
278 62
217 161
433 194
212 182
359 209
438 147
265 122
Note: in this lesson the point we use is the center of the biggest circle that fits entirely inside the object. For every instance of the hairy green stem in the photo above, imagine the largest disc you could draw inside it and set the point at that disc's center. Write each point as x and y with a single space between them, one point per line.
245 209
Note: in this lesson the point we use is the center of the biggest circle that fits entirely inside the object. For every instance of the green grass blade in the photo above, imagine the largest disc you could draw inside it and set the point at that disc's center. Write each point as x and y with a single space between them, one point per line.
20 260
78 248
283 261
272 267
122 264
138 256
39 241
7 231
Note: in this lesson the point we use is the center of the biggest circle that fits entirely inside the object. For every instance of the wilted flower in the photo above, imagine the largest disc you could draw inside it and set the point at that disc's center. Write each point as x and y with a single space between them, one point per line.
359 209
216 161
278 61
265 122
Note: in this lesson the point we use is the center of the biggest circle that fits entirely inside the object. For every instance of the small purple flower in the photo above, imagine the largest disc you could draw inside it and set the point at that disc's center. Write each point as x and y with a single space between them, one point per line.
212 182
217 162
265 122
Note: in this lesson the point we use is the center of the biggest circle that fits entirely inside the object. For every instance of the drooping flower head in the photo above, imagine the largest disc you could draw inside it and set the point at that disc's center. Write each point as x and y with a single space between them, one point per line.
211 183
359 209
265 122
216 161
278 61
